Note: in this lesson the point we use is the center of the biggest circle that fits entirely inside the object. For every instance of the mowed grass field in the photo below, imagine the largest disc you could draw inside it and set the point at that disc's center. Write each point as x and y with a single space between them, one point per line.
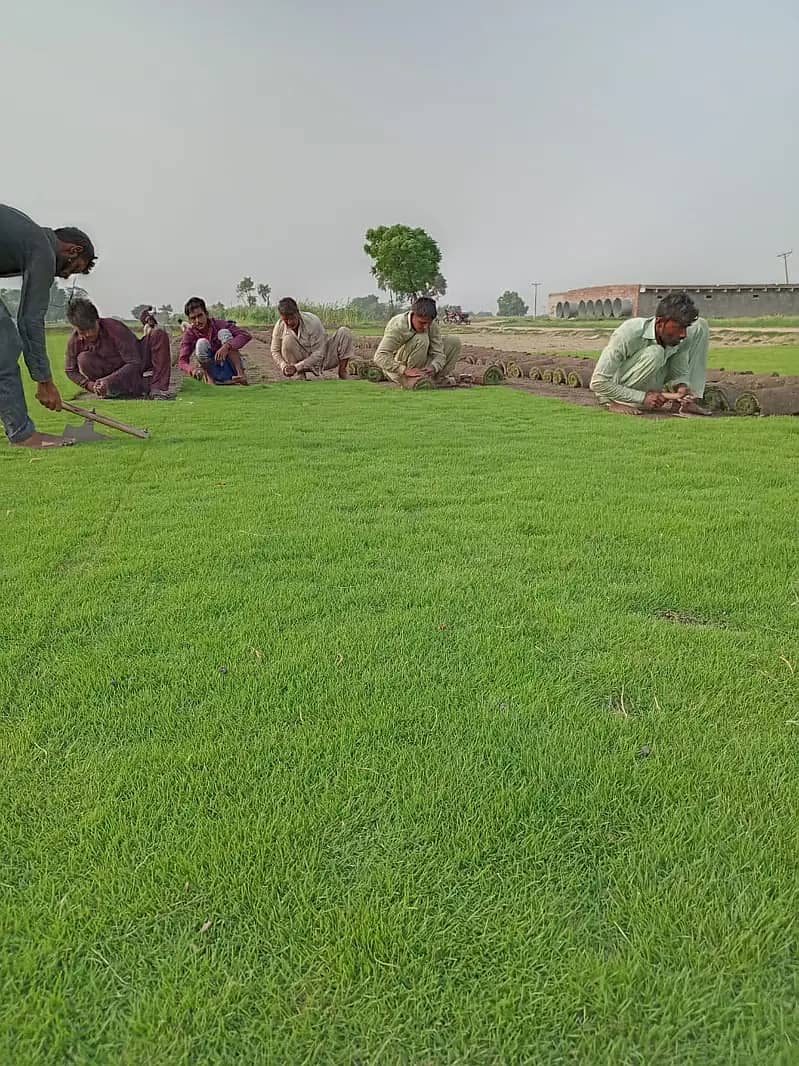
347 725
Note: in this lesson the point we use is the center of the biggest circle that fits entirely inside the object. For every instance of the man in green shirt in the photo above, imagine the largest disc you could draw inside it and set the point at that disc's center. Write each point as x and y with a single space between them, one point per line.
413 347
647 357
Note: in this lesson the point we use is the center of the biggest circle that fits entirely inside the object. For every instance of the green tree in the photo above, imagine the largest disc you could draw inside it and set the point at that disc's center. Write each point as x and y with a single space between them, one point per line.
137 310
245 290
405 261
438 287
511 305
370 308
265 292
217 310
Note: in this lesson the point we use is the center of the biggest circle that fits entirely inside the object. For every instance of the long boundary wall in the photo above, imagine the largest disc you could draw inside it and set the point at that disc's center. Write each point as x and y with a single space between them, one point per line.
713 301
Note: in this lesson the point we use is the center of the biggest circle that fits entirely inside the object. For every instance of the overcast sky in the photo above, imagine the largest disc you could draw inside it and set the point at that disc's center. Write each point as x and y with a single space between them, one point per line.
570 143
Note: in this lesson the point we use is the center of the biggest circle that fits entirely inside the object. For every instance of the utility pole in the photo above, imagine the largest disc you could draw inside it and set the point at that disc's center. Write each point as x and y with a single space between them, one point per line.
784 257
535 285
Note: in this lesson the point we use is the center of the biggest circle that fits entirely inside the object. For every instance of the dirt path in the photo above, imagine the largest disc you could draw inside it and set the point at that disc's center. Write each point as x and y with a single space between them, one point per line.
536 341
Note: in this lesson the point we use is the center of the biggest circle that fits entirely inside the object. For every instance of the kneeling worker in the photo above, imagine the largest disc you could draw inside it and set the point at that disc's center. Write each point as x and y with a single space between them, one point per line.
414 347
646 357
108 359
301 346
210 348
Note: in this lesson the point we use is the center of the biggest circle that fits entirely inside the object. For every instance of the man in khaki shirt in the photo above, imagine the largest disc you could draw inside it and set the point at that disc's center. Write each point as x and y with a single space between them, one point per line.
300 345
413 347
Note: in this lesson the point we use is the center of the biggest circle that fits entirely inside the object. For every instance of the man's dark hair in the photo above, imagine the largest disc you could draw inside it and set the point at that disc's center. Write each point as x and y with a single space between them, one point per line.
425 307
82 314
196 303
287 306
679 307
72 235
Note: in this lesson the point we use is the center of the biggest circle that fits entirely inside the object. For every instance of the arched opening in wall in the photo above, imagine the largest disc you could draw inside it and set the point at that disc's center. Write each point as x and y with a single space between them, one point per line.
626 308
559 309
567 310
607 308
581 309
617 308
589 308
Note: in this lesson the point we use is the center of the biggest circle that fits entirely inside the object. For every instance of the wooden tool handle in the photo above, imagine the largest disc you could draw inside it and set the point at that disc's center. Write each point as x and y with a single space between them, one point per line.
112 423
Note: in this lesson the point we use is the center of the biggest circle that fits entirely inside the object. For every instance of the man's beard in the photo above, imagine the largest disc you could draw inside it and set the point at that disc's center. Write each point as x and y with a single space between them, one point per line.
63 263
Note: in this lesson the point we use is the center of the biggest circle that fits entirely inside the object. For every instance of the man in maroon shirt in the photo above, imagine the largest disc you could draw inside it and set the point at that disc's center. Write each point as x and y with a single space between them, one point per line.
108 359
210 347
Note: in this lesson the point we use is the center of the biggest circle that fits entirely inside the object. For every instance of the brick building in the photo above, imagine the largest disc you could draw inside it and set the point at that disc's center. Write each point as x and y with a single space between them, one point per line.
713 301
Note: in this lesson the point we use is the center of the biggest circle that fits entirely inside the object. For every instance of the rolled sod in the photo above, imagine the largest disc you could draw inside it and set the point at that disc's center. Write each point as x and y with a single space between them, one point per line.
775 401
722 396
513 370
482 375
375 374
546 375
355 368
363 370
579 377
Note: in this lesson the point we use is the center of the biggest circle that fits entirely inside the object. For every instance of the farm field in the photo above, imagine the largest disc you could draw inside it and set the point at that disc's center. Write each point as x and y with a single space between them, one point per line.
343 724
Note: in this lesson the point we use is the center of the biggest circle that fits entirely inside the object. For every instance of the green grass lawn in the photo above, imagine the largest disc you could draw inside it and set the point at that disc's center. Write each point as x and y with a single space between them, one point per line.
346 725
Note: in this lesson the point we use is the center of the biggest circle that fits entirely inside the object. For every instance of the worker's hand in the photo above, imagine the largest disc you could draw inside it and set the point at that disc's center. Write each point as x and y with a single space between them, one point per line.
685 393
89 385
101 389
48 395
199 373
414 372
223 353
653 400
289 370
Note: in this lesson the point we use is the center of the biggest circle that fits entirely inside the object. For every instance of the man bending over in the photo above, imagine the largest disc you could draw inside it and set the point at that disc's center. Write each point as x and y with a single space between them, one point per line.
210 348
108 359
647 357
413 347
301 346
38 255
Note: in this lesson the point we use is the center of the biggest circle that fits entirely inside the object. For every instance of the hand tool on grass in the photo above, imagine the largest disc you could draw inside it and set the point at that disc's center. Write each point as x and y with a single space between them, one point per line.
87 433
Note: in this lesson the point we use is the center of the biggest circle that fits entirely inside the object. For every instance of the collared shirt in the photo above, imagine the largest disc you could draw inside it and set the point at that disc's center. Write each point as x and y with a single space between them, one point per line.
116 347
29 251
188 342
398 332
624 349
311 337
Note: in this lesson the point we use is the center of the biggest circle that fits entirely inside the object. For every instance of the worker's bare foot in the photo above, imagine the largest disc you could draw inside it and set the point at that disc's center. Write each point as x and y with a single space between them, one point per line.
342 369
45 440
239 379
622 409
689 409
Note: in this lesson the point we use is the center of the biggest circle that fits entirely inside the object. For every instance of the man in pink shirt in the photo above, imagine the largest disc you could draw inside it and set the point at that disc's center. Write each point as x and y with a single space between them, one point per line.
210 347
108 359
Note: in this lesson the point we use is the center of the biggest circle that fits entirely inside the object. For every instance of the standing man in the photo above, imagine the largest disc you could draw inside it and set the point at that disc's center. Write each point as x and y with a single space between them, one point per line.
209 349
649 356
38 255
413 347
108 359
301 346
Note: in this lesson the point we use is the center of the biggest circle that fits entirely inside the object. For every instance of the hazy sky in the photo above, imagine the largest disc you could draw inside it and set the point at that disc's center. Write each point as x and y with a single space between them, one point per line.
569 143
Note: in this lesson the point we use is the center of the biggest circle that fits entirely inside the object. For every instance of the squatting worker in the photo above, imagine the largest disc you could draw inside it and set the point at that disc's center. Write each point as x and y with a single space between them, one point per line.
414 347
646 357
108 359
300 345
210 348
38 255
